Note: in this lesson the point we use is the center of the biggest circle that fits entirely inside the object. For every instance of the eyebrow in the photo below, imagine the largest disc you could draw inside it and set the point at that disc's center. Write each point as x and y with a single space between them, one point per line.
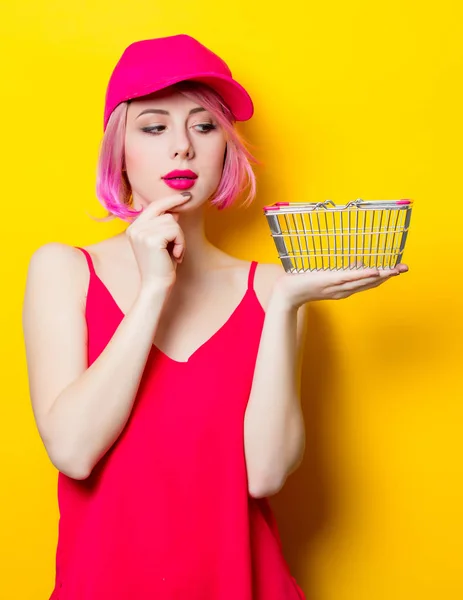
159 111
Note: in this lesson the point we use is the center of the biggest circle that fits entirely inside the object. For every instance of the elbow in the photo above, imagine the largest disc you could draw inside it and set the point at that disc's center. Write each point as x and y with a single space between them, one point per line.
74 471
269 482
265 486
67 451
68 463
72 468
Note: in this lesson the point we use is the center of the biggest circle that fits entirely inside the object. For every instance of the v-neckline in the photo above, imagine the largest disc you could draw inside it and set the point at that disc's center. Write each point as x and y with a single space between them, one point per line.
154 347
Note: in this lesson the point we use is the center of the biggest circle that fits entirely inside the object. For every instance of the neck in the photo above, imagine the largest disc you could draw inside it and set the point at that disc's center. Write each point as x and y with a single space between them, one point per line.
198 249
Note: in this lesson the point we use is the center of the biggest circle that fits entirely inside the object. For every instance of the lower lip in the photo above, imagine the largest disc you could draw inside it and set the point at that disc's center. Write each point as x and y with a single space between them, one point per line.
180 184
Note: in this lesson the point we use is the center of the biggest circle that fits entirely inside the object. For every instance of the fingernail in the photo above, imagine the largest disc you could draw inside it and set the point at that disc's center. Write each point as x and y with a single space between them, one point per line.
186 194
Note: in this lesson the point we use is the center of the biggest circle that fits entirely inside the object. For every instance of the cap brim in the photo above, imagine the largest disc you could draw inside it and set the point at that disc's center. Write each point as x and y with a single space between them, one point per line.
233 93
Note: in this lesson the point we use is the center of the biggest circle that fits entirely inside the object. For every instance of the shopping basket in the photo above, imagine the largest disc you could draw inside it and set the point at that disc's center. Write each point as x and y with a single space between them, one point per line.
328 236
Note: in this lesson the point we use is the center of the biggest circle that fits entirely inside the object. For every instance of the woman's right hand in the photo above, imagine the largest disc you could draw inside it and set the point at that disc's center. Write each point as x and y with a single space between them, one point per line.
150 235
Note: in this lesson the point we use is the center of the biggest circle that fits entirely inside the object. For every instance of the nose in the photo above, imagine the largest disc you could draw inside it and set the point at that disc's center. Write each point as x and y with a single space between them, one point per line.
182 146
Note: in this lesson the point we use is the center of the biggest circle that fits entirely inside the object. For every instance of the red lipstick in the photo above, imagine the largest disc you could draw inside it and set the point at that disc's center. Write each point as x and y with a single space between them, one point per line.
180 180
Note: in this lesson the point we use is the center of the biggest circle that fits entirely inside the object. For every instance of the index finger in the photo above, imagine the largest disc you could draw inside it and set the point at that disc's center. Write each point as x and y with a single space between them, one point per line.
159 207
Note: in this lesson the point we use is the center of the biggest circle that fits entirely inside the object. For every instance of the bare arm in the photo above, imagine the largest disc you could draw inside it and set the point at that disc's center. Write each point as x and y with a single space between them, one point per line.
80 411
274 431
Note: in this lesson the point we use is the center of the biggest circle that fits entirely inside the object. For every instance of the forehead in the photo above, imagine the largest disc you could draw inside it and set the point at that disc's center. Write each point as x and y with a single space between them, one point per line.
167 99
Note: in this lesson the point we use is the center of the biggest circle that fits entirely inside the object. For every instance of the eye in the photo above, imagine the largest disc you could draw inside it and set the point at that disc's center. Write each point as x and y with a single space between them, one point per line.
155 130
200 127
205 127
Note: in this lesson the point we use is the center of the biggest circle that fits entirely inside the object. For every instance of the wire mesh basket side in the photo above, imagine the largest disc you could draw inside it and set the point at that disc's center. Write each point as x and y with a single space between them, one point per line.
334 239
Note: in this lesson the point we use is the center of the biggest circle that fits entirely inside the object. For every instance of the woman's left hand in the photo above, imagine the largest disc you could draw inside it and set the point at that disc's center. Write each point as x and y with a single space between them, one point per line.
299 288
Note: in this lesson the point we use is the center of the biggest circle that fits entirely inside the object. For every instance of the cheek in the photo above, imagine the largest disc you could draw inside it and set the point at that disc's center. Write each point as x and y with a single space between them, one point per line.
140 153
133 154
215 160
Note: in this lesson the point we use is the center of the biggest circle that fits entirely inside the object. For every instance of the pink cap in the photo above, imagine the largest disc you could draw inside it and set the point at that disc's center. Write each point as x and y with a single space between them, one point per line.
148 66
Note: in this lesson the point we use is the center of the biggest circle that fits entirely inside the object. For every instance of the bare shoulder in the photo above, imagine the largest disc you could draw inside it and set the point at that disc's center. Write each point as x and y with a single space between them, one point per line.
54 255
56 261
269 271
54 324
265 278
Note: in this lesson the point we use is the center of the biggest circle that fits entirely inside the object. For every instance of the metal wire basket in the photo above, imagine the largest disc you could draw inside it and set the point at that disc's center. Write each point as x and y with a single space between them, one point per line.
328 236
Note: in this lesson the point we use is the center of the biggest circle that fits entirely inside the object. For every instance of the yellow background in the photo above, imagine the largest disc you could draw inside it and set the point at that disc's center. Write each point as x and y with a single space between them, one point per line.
353 99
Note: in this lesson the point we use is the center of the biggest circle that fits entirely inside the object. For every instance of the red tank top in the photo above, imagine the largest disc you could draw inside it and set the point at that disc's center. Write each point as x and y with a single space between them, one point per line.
166 514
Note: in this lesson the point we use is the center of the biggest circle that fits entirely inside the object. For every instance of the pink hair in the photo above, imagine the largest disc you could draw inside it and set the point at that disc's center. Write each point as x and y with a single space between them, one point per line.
112 185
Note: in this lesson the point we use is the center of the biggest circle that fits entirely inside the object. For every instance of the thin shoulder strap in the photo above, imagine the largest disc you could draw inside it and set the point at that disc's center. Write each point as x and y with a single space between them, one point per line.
252 272
89 260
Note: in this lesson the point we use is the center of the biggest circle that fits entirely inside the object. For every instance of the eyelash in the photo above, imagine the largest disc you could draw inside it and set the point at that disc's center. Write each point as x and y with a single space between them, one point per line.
155 129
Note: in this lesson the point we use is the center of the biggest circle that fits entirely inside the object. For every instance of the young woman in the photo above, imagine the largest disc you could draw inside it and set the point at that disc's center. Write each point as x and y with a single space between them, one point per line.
165 373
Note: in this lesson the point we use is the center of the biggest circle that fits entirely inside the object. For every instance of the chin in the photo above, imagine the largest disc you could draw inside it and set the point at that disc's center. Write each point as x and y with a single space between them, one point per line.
196 201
